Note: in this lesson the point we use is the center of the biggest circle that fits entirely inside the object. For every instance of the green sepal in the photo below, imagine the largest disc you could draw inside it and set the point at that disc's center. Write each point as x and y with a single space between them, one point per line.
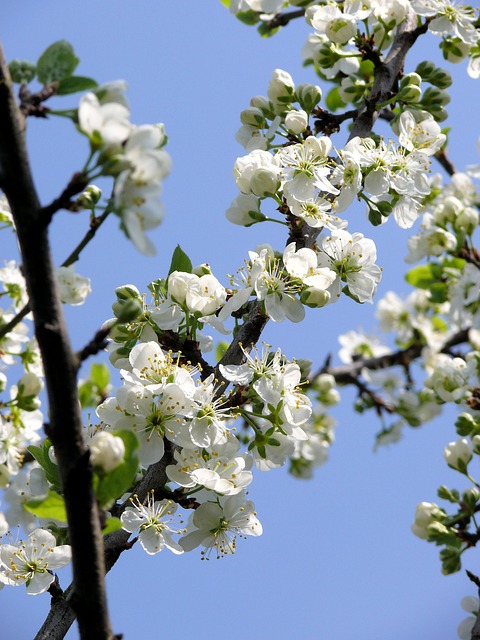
113 484
158 288
180 261
111 525
450 557
452 495
41 456
265 31
248 17
52 507
57 62
465 424
75 84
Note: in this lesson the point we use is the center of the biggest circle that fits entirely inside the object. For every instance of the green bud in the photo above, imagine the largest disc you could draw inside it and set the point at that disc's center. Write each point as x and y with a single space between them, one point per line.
314 298
127 291
441 79
253 117
327 56
434 97
22 71
465 424
265 106
308 95
450 557
410 93
127 310
470 498
411 79
445 493
454 50
426 69
90 197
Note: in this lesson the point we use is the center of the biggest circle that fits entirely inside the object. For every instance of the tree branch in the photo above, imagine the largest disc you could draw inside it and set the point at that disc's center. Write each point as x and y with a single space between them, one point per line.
386 74
343 374
61 615
88 596
282 19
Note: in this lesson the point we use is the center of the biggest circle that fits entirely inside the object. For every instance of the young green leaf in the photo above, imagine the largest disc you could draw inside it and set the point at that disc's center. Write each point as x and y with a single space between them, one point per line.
57 62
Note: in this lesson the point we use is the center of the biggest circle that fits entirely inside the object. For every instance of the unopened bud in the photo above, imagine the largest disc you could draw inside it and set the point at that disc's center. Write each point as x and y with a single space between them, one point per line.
90 197
296 121
252 117
106 451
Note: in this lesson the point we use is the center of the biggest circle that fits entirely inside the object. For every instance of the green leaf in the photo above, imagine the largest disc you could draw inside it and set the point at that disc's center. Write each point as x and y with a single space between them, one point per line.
220 350
421 276
180 261
333 100
226 3
115 483
41 456
111 525
52 507
74 84
100 375
57 62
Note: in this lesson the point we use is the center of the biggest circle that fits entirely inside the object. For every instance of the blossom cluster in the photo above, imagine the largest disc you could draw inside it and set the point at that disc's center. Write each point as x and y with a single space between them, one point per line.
133 155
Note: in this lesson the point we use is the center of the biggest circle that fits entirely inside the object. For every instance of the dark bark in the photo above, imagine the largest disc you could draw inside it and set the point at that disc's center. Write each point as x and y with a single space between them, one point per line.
60 365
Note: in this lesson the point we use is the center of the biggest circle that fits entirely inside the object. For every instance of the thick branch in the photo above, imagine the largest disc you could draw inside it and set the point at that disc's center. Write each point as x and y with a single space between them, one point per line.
386 74
88 597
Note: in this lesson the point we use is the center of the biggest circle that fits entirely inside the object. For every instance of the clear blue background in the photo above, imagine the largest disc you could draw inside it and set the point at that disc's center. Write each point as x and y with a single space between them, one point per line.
337 560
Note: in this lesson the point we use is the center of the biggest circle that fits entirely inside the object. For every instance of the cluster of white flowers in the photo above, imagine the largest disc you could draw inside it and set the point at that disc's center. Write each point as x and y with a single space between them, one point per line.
134 155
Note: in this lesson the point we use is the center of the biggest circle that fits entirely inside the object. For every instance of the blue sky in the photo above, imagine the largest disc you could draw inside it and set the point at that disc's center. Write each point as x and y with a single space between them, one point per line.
337 559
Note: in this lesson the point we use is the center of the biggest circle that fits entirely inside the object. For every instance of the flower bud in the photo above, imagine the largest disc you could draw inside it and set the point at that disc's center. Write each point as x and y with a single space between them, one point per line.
434 97
252 117
476 444
458 454
106 451
467 221
441 79
308 95
127 311
411 79
426 69
425 515
410 93
30 385
312 297
296 121
265 106
454 50
90 197
22 71
281 88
